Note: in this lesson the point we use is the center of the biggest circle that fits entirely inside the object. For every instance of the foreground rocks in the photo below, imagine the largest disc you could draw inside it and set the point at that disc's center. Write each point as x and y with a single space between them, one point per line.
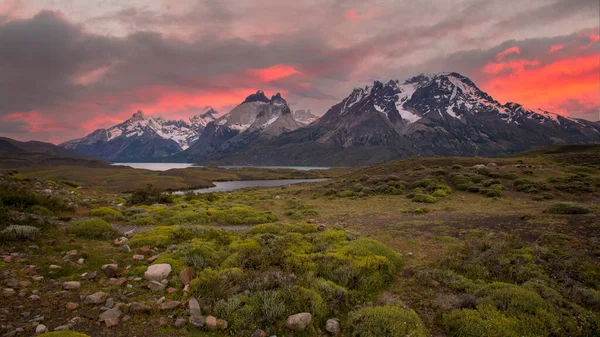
158 272
298 322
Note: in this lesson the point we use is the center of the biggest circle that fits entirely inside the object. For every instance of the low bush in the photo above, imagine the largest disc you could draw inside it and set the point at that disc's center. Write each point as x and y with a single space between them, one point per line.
18 232
23 198
149 196
567 208
94 228
389 320
424 198
107 213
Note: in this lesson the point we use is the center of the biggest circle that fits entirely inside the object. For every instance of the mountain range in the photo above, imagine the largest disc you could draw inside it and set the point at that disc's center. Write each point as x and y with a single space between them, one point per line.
443 114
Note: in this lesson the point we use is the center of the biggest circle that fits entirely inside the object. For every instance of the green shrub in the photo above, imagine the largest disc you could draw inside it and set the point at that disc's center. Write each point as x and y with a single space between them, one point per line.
567 208
19 177
160 236
39 210
144 221
439 193
389 320
106 212
94 228
424 198
345 194
149 196
24 198
18 232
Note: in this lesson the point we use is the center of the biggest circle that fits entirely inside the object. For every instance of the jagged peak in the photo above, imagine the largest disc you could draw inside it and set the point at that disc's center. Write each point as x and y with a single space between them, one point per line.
259 96
277 99
139 115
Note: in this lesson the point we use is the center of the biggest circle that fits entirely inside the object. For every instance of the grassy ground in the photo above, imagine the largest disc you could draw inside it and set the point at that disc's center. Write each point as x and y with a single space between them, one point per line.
509 248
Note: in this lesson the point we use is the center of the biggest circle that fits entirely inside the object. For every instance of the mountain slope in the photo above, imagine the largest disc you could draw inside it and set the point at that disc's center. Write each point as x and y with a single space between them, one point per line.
428 115
142 138
256 119
15 154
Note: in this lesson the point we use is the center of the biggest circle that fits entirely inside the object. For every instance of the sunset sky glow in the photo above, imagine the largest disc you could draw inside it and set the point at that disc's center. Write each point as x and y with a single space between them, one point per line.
68 67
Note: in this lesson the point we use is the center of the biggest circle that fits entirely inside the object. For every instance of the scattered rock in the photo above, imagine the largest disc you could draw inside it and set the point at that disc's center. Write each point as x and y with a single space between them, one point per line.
24 284
121 240
126 249
110 270
298 322
90 275
222 324
163 321
37 278
169 305
80 261
40 329
129 234
111 322
109 303
6 292
158 272
62 327
139 307
171 290
126 318
117 281
186 275
34 298
179 323
156 286
71 252
194 307
12 283
138 257
321 228
145 250
54 266
95 298
72 306
197 321
110 313
152 258
333 326
211 322
258 333
70 285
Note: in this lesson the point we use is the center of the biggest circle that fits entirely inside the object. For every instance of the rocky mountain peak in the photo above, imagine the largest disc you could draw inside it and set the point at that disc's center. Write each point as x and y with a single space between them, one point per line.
138 116
259 96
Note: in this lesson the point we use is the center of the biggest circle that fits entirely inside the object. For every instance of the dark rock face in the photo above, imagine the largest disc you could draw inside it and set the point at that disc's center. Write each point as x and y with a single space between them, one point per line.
427 115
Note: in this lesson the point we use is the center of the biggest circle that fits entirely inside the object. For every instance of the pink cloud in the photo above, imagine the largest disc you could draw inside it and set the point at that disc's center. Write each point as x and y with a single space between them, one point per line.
508 51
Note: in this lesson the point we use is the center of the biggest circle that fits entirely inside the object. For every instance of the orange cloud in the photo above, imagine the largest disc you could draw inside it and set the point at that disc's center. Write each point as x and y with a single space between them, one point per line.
511 50
517 65
556 48
550 86
275 72
352 15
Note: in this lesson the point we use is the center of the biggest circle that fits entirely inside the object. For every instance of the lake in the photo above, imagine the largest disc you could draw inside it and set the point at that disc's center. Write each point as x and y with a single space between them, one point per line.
168 166
224 186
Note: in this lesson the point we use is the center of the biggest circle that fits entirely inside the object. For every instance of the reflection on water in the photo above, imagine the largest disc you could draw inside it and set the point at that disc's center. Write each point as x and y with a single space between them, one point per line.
223 186
168 166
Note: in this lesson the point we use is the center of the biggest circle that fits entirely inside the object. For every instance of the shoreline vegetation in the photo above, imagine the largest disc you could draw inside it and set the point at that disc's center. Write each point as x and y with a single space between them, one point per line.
443 246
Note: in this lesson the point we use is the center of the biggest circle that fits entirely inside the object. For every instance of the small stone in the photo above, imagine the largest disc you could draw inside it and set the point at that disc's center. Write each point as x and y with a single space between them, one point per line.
90 275
171 290
12 283
298 322
138 257
158 272
72 306
111 322
126 318
72 252
34 297
222 324
24 284
258 333
37 278
186 275
126 249
129 234
109 303
139 307
194 307
145 250
80 261
179 323
70 285
165 282
211 322
40 329
54 266
156 286
110 313
152 258
333 327
163 321
169 305
8 259
6 292
110 270
121 240
197 321
95 298
62 327
117 281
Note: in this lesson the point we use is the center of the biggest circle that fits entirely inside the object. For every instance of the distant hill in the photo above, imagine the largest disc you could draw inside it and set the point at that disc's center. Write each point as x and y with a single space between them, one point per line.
14 154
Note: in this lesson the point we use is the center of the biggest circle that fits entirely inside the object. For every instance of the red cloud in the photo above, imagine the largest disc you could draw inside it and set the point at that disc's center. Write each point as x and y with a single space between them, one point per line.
275 72
557 48
352 15
511 50
517 65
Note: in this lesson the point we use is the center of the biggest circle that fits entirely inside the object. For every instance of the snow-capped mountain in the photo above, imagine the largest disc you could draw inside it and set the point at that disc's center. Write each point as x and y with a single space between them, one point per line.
143 138
256 118
304 117
428 115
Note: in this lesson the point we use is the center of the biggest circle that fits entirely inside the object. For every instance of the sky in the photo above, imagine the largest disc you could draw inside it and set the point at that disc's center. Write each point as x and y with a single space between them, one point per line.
68 67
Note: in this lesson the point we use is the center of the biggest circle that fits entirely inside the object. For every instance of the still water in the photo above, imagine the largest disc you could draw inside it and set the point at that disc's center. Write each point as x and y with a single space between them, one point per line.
168 166
224 186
